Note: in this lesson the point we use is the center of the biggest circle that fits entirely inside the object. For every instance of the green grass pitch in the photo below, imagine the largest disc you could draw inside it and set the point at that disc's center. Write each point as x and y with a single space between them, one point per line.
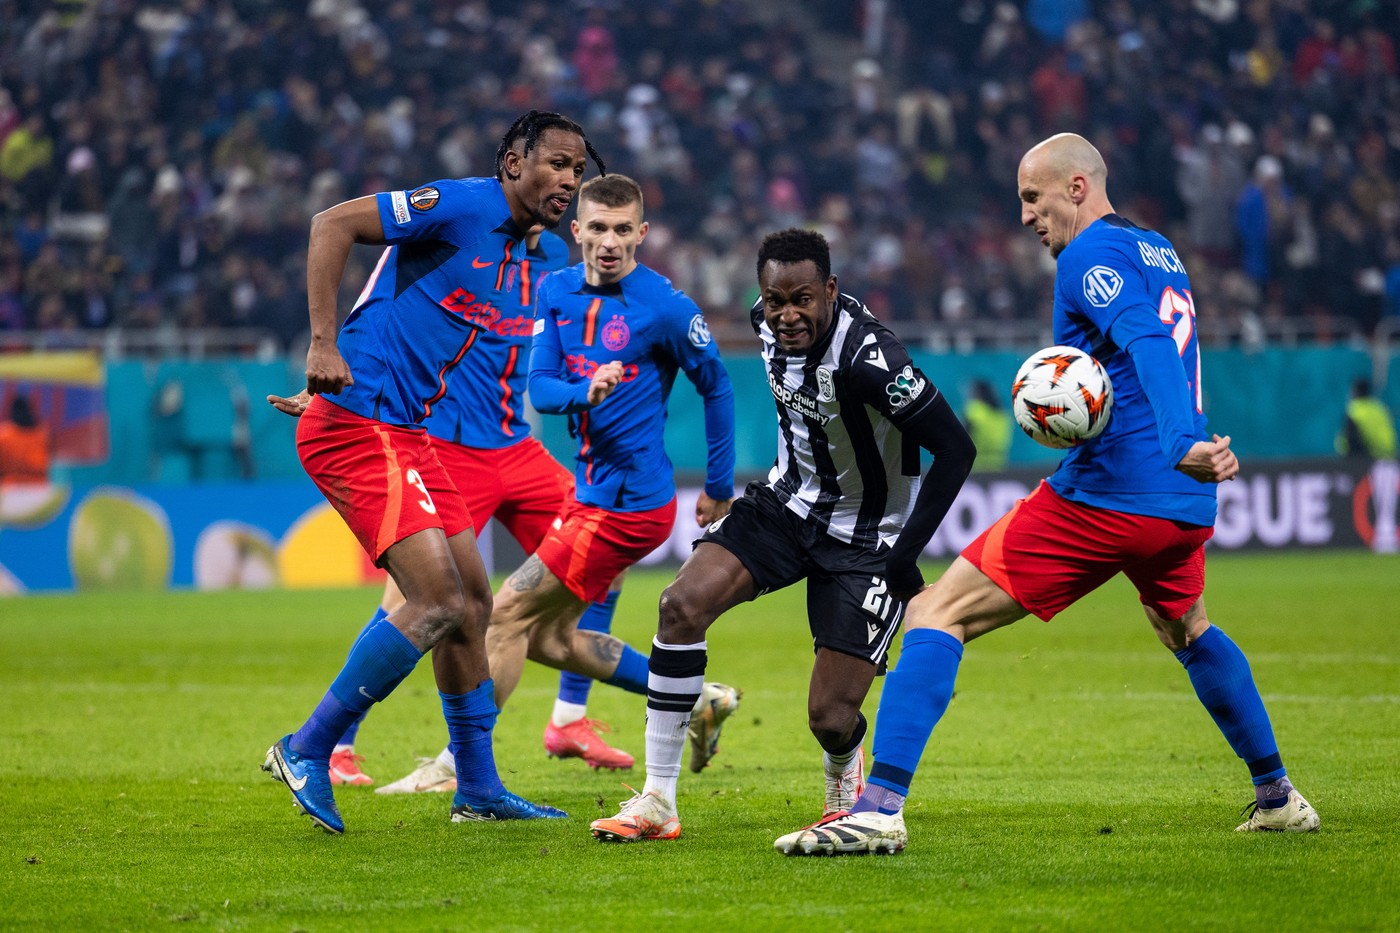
1074 784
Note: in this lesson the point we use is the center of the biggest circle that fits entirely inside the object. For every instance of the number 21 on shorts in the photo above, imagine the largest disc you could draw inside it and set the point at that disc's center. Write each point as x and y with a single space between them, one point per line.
878 601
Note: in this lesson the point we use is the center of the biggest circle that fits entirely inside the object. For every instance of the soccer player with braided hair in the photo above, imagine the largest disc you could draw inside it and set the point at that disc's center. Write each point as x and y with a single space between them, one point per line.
527 129
463 260
479 433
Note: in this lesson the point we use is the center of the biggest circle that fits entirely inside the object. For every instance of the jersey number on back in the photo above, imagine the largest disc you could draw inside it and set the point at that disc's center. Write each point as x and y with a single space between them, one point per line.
1178 312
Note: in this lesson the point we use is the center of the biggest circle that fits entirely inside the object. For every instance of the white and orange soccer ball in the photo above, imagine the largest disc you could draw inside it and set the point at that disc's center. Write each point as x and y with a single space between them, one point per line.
1061 397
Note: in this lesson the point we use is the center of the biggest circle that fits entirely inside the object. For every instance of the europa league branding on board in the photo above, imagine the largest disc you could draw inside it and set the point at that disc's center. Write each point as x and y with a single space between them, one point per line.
1298 503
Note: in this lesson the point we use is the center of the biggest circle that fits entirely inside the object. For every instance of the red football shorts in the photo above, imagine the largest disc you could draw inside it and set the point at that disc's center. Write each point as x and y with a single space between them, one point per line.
521 486
385 481
1047 552
591 546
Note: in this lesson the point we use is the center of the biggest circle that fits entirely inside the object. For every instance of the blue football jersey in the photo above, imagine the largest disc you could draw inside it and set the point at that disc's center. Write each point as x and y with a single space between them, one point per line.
453 274
654 331
1123 296
485 402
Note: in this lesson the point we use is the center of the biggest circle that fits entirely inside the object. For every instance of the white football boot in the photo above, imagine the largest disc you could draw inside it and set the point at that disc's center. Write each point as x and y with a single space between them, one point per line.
1295 816
848 834
431 776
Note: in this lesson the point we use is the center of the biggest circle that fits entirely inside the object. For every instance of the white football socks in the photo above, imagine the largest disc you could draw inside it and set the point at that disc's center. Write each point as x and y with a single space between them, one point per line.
565 713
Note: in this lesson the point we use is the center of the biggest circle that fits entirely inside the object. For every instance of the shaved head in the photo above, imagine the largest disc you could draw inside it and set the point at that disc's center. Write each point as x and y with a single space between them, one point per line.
1063 185
1066 154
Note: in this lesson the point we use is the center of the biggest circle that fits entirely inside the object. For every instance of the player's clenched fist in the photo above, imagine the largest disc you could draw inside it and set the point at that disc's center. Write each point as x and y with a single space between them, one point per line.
607 378
326 371
1210 461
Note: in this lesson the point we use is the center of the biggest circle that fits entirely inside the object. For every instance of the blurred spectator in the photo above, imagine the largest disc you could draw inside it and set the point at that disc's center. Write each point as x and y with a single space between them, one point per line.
1368 427
24 445
1261 217
1318 52
26 161
1209 181
989 425
1392 283
595 61
1053 18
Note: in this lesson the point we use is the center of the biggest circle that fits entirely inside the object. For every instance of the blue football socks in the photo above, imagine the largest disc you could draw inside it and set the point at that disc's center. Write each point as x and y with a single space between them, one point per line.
631 673
347 738
1222 679
573 688
470 719
379 661
916 695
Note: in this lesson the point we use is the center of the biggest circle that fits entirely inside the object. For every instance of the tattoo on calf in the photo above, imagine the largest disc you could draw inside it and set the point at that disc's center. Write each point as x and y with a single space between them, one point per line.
605 648
528 575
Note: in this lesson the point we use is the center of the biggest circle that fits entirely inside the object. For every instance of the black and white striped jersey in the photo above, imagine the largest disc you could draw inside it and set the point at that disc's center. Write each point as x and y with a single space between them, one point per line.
842 461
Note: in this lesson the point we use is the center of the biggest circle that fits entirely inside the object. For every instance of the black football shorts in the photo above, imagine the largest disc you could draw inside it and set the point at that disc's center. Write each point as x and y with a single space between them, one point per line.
849 607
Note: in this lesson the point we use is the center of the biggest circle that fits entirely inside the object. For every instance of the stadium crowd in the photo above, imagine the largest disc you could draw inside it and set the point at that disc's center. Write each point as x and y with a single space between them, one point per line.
160 161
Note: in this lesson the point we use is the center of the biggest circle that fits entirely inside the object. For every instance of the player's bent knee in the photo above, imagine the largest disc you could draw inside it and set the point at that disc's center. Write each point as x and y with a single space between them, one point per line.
831 727
931 609
476 612
684 616
439 617
1178 634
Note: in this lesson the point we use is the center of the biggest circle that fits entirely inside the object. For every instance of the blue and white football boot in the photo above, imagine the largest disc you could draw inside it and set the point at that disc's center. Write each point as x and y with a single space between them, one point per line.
309 781
503 806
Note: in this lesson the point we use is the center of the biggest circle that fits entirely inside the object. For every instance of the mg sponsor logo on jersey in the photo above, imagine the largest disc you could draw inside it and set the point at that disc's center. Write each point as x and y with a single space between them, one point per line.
616 333
699 332
798 400
1102 285
905 388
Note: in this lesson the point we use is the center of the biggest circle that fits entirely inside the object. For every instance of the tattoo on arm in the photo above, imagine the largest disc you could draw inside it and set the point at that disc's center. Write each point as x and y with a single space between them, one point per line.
528 575
605 648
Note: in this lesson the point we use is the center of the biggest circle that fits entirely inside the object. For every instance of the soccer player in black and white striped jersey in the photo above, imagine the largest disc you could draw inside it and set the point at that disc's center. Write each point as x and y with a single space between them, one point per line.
844 507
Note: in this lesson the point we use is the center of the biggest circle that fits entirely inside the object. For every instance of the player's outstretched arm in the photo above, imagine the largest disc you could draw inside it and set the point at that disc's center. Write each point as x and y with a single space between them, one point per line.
1210 461
935 427
711 380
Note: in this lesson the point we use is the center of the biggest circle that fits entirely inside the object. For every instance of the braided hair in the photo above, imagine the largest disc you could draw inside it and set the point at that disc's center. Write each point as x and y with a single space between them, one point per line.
795 245
530 125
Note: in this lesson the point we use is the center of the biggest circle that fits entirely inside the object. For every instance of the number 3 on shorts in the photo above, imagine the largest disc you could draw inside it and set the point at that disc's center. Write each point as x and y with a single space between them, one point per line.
416 481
